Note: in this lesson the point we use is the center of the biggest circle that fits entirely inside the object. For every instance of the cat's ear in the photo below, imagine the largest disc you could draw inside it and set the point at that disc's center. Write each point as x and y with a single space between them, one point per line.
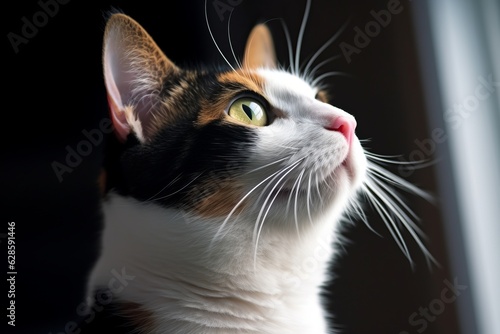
259 49
134 70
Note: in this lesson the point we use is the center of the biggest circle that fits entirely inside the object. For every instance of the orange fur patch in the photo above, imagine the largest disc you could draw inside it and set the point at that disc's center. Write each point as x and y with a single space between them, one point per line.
219 202
323 96
249 79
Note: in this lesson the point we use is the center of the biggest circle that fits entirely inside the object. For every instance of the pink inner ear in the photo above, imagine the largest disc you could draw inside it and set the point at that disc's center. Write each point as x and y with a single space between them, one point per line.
120 124
259 50
116 107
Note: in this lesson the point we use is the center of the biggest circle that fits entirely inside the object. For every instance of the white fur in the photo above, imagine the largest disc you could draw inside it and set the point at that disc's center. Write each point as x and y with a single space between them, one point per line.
192 286
258 271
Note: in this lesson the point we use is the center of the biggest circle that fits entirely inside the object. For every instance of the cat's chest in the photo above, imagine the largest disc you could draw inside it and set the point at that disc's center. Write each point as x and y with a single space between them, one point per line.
175 268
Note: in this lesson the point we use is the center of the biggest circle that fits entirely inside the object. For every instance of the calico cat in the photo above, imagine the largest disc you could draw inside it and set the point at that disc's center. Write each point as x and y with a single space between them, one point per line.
226 181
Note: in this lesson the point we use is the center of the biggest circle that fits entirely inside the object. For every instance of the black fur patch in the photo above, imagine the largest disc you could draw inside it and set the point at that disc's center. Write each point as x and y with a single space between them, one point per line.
182 155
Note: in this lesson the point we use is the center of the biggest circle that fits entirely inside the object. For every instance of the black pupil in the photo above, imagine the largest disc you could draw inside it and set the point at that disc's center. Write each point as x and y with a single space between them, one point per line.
247 110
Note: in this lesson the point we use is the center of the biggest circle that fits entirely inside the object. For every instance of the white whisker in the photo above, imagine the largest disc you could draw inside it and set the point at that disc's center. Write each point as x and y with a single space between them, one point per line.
265 166
321 49
374 169
317 67
213 38
263 192
295 184
386 159
308 200
297 198
179 190
359 211
331 177
270 177
261 224
318 191
288 43
374 197
162 189
404 219
392 193
230 41
376 158
288 147
326 75
238 205
301 36
401 216
285 170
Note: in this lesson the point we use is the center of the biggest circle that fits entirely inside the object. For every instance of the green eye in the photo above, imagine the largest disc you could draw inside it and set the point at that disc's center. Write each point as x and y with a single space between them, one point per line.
249 111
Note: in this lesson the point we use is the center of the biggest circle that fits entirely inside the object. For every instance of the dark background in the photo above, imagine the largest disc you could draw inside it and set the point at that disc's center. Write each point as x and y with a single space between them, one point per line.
55 91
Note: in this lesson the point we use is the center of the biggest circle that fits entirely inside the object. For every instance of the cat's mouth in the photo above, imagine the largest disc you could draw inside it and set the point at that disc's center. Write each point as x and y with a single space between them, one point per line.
346 164
308 186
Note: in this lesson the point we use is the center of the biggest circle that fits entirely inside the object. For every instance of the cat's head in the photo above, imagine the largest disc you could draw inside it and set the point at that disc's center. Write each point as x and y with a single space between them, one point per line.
256 141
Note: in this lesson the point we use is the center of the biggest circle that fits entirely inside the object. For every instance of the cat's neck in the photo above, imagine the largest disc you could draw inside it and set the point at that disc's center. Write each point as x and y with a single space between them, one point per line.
176 264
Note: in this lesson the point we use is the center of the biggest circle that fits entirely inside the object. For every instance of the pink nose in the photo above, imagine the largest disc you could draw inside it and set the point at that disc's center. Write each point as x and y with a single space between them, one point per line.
344 125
